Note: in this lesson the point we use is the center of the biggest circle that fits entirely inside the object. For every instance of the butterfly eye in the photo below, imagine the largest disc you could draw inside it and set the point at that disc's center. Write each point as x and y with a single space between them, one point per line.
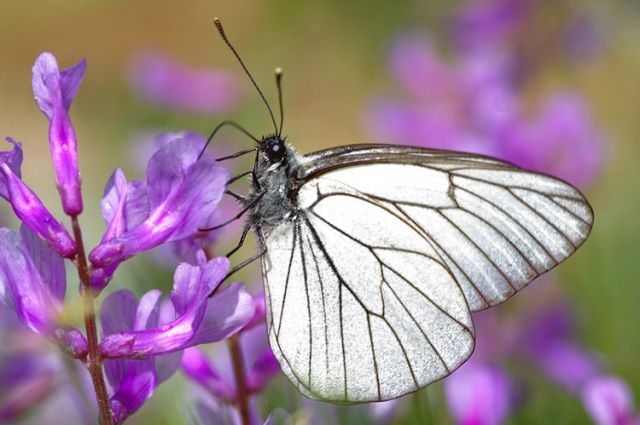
275 149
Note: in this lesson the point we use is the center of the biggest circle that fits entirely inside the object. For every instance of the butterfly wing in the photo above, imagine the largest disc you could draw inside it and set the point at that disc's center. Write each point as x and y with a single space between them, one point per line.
370 287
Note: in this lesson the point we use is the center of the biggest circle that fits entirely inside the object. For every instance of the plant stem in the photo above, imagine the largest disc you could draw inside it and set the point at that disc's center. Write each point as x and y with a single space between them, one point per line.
94 359
239 373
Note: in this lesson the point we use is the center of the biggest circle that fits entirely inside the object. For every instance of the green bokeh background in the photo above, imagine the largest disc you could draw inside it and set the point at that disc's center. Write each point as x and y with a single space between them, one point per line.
333 55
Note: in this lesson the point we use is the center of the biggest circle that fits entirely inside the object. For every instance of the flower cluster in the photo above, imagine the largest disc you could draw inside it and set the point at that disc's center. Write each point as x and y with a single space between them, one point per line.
475 102
141 343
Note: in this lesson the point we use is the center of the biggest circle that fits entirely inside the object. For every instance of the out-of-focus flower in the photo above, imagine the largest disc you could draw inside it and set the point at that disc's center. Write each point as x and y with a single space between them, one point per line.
482 23
33 282
28 207
562 140
28 373
163 80
207 411
548 341
479 394
535 29
473 104
179 196
609 401
218 379
53 91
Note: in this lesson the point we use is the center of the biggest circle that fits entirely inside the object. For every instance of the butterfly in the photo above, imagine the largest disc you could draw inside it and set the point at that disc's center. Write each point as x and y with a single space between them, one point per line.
375 256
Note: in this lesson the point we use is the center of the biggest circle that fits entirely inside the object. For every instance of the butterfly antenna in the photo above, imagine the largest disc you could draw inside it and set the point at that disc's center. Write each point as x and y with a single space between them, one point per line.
218 25
279 85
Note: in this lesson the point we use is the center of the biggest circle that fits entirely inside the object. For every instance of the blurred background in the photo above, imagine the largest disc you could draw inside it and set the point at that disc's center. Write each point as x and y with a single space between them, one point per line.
552 86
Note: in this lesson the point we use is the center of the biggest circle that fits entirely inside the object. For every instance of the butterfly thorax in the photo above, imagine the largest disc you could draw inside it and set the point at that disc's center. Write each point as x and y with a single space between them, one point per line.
275 184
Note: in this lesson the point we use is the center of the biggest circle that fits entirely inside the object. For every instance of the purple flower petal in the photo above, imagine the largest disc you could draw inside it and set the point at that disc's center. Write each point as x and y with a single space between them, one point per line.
259 311
263 369
227 312
134 390
13 159
198 368
30 209
23 287
164 81
609 401
190 297
72 342
183 193
54 91
117 314
478 394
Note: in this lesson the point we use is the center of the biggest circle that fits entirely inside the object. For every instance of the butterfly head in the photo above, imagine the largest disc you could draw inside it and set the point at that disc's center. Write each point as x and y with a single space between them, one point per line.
274 148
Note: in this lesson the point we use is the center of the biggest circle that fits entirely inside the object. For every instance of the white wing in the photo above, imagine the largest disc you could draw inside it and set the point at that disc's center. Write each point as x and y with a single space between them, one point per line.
369 288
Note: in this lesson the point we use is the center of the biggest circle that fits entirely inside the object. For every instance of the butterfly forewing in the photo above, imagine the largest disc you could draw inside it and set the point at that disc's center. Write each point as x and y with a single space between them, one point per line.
371 283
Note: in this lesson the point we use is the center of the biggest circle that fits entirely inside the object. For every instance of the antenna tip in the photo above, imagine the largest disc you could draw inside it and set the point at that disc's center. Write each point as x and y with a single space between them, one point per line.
278 71
216 20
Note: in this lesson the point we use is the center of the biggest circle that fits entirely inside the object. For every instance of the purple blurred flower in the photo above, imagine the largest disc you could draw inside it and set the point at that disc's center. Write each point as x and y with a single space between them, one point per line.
482 23
479 394
206 411
220 381
562 140
53 91
549 342
33 282
178 197
28 207
163 80
28 373
609 401
196 319
473 104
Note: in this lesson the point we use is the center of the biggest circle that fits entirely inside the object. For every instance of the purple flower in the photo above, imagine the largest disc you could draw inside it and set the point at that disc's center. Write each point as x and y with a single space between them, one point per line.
609 401
145 340
53 91
28 207
29 374
164 81
184 249
33 282
220 380
479 394
549 343
473 104
206 411
485 23
562 140
177 198
196 319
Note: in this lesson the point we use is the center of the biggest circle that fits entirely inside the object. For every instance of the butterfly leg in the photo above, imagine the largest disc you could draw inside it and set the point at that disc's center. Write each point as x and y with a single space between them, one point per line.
237 216
245 231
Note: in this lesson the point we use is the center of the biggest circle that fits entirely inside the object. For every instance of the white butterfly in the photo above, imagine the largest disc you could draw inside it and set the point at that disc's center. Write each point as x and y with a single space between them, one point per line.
374 257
